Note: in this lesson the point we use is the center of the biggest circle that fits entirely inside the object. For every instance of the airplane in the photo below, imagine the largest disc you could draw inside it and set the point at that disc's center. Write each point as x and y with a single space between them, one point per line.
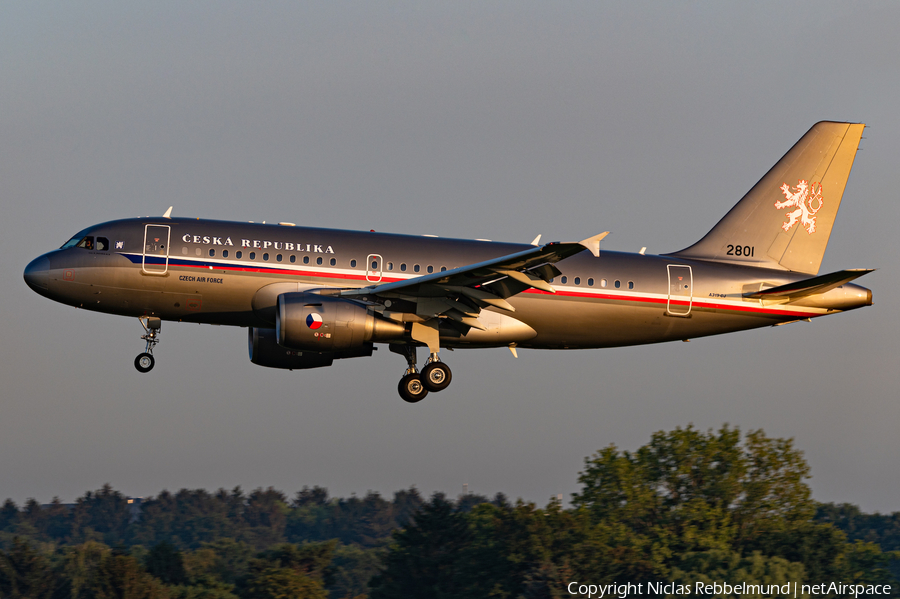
309 296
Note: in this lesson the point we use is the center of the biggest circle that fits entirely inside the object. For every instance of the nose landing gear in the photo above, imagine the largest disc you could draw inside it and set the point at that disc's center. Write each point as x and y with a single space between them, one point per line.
414 386
145 361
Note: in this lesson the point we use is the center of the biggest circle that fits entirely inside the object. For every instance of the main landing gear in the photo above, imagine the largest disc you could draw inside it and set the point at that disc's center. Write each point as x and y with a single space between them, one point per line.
145 361
414 386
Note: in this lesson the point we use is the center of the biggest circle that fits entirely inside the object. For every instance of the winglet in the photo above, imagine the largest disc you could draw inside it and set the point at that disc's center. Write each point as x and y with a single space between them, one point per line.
536 241
168 213
593 243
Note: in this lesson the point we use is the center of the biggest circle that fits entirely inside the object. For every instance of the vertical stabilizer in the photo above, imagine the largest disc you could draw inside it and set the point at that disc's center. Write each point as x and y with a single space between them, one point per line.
786 219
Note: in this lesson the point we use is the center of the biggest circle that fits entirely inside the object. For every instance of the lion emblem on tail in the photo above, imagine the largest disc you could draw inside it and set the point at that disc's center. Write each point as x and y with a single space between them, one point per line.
807 199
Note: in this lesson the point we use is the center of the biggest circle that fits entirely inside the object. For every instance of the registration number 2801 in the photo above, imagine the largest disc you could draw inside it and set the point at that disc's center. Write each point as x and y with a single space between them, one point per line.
741 250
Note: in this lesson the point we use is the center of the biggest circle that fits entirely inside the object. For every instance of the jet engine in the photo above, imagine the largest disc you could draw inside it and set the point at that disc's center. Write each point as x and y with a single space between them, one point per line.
265 351
318 323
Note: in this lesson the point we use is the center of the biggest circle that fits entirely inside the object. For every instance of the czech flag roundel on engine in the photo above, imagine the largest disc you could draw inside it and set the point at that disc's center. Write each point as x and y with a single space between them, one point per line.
314 321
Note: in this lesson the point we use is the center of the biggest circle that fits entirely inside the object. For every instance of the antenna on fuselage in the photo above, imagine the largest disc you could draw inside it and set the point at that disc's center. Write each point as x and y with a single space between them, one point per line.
168 213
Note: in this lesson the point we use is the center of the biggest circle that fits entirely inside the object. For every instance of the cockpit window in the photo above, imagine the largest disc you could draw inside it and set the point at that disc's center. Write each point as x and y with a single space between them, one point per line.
88 242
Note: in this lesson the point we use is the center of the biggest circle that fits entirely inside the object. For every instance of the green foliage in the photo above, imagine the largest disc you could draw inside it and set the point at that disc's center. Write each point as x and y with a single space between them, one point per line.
697 491
26 574
426 558
166 563
688 506
224 560
288 571
283 583
352 568
96 572
722 565
874 528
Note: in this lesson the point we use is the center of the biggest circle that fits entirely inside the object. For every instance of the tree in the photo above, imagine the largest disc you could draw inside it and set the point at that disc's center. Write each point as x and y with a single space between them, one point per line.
166 563
26 574
9 514
289 571
103 515
426 558
696 491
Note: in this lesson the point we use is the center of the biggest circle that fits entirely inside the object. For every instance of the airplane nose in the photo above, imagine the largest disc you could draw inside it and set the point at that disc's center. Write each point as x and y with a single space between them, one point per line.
37 274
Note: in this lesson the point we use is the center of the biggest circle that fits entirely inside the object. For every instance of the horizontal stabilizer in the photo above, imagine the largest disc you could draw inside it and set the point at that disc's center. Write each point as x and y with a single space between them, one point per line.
807 287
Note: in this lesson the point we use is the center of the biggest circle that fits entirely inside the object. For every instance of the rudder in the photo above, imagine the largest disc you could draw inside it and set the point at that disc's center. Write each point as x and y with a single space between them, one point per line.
785 220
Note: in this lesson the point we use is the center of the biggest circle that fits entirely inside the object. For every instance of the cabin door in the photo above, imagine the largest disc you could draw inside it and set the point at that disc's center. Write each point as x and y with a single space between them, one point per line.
681 282
156 249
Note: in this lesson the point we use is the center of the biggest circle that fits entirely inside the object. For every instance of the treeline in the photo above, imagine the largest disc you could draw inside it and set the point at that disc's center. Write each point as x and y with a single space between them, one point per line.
689 506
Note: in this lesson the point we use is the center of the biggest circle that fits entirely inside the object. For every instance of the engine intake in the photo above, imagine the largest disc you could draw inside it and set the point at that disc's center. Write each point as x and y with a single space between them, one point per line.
310 322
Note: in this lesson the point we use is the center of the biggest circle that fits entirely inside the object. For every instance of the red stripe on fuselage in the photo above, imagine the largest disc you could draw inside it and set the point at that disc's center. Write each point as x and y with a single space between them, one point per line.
601 296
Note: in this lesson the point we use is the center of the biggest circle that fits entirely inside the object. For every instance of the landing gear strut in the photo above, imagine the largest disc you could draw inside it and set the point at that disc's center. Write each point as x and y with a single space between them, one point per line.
145 361
435 376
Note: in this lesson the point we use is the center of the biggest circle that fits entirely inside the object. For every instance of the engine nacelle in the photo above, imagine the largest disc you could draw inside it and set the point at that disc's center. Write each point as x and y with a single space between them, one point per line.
310 322
265 351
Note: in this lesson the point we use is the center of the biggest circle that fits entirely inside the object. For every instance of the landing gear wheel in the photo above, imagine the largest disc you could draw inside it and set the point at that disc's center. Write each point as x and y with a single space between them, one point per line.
436 376
144 362
411 388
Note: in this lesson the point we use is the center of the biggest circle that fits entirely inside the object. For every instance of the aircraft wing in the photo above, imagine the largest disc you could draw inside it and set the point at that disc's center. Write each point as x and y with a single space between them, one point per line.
461 293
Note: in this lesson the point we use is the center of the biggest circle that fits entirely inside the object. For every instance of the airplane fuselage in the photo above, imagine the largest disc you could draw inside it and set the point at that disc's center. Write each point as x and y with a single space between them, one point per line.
218 272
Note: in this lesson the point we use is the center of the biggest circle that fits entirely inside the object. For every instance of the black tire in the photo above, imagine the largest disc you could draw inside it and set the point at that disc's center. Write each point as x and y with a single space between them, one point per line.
144 362
411 388
436 376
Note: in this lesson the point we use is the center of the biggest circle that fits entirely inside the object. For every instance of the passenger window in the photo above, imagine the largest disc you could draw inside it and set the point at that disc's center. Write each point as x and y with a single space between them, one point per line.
266 257
617 284
443 268
430 269
603 282
212 252
319 260
390 265
239 254
590 282
578 280
403 267
184 250
293 258
197 251
87 243
305 259
253 255
333 262
631 284
353 264
102 244
564 279
224 253
279 258
416 268
374 264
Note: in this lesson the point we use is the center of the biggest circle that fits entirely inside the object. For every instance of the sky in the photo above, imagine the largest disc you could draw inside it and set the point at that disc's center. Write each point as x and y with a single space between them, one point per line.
498 120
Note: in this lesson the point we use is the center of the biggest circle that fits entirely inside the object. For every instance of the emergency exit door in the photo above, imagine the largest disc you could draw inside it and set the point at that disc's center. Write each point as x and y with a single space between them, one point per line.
681 282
